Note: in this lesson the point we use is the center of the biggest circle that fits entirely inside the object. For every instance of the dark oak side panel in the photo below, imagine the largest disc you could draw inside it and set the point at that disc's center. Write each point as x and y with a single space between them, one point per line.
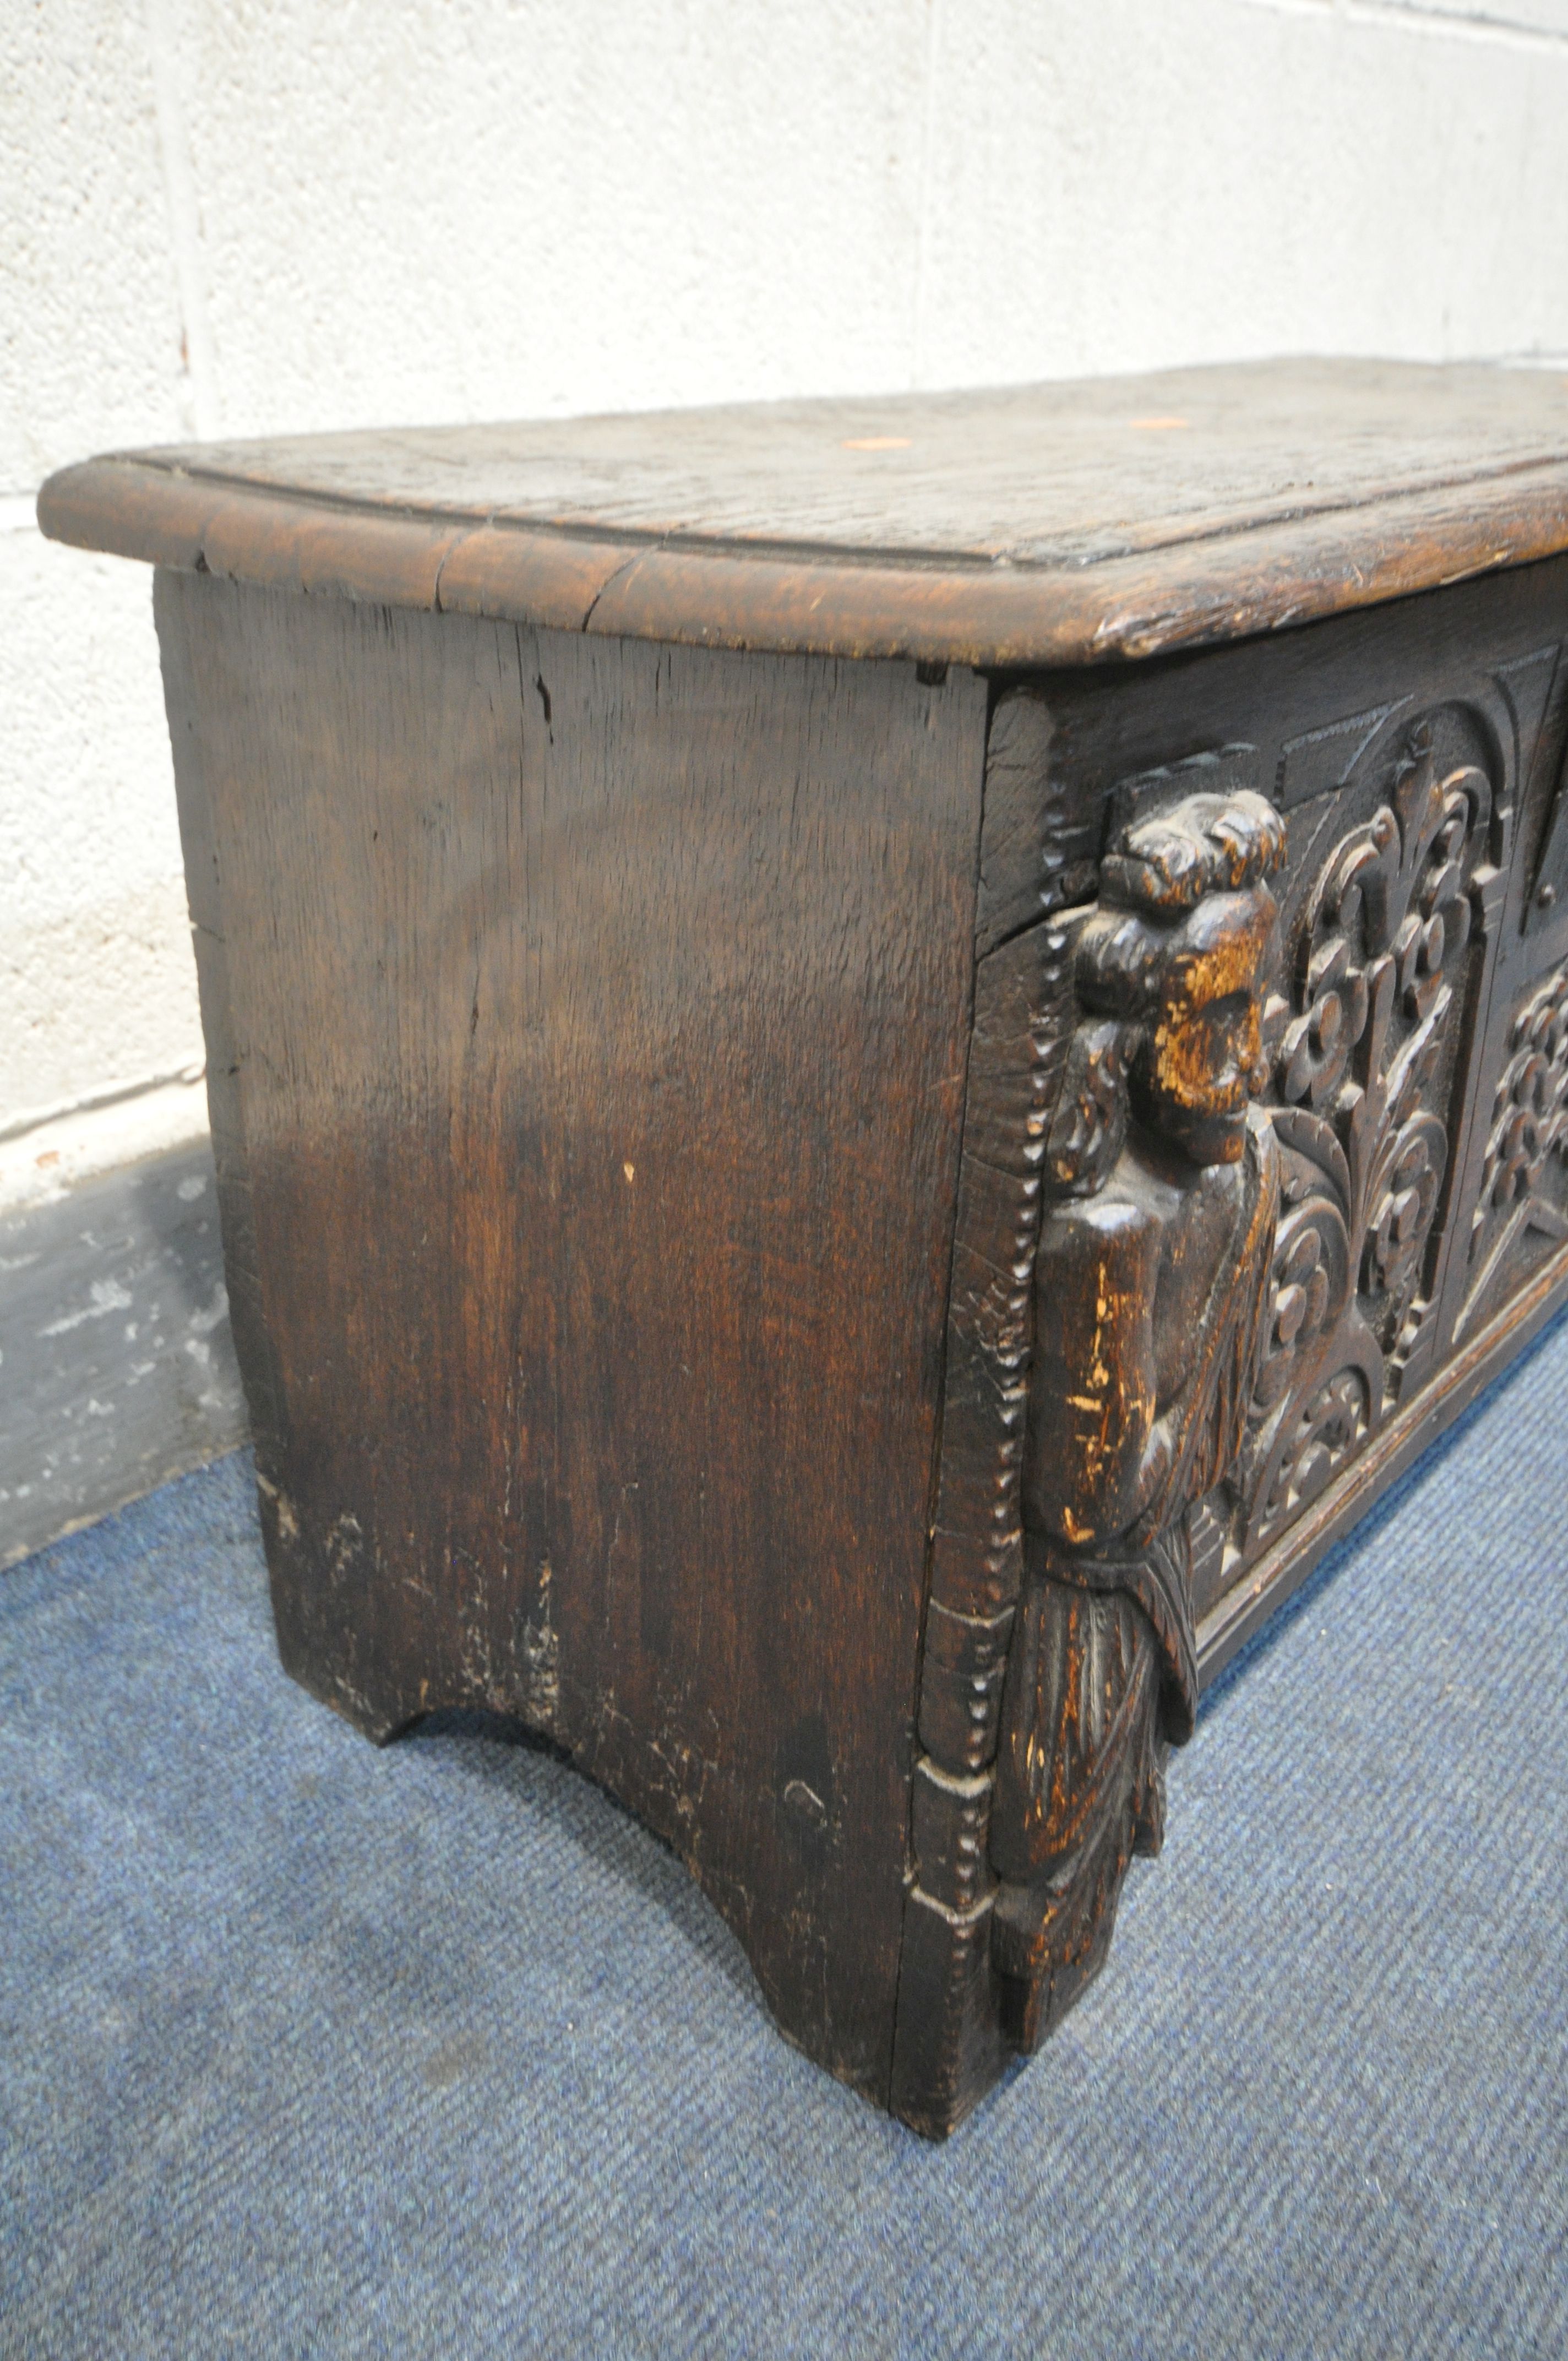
587 1025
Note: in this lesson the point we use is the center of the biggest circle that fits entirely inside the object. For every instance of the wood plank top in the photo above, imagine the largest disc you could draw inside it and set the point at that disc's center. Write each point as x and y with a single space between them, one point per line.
1034 525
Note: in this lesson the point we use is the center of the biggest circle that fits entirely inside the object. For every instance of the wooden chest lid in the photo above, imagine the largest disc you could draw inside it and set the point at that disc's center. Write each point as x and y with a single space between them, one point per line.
1047 524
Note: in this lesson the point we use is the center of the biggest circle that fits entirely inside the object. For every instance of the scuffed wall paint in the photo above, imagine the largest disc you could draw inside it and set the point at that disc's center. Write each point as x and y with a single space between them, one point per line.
265 215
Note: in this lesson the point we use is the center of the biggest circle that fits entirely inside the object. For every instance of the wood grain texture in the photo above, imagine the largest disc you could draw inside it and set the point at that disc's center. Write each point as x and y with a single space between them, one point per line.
1057 524
597 1018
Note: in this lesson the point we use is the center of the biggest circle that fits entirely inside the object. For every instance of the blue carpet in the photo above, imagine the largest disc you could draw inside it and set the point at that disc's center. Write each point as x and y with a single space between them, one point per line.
312 2049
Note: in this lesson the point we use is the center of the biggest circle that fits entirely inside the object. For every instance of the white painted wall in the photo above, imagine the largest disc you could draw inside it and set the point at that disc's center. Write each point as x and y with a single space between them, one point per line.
247 216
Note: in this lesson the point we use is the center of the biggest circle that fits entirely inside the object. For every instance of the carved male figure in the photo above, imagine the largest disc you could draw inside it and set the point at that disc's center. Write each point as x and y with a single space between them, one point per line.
1149 1292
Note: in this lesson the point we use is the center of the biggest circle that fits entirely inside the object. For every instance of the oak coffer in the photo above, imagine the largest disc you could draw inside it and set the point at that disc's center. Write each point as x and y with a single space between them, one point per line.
873 1063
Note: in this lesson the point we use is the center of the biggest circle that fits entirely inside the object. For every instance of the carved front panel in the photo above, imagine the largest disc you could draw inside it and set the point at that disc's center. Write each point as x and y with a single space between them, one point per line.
1408 1024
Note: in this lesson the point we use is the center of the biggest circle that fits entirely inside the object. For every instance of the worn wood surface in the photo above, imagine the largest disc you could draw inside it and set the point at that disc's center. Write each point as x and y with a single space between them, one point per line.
1059 524
594 1020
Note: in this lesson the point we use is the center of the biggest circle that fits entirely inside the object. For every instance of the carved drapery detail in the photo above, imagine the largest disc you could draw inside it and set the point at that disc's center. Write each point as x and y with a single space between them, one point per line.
1114 1050
1150 1289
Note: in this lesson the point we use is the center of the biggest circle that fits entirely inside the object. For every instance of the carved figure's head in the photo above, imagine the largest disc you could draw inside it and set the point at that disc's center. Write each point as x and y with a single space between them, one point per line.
1169 965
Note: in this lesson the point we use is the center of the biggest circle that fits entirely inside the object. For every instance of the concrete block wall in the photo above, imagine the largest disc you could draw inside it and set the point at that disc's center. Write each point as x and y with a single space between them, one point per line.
242 216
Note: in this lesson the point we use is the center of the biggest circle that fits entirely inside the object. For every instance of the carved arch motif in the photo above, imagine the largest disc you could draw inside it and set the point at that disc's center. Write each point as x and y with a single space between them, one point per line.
1363 1074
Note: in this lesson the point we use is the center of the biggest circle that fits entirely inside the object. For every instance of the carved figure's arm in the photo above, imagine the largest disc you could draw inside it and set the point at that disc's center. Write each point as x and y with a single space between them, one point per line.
1096 1451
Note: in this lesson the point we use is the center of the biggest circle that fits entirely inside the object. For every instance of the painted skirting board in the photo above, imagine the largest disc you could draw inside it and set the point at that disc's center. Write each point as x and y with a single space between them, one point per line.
116 1365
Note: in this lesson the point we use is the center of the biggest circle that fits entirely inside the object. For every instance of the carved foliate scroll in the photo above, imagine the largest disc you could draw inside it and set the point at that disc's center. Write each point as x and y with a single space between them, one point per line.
1522 1207
1364 1049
